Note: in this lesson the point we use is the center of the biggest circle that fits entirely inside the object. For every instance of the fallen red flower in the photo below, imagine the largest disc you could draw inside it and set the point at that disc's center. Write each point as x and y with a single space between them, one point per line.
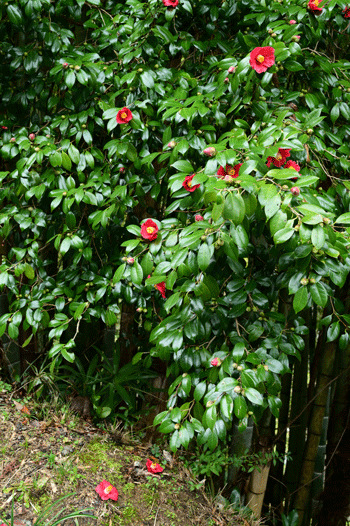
187 184
107 491
171 3
262 58
153 467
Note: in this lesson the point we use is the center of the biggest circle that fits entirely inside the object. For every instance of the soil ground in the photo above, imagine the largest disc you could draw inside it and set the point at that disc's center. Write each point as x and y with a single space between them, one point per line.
49 453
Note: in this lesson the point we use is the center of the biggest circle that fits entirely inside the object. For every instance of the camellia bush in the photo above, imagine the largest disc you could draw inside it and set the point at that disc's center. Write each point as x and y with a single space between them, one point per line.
175 202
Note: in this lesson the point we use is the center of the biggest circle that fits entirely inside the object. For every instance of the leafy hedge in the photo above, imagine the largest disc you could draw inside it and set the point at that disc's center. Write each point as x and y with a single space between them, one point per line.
77 186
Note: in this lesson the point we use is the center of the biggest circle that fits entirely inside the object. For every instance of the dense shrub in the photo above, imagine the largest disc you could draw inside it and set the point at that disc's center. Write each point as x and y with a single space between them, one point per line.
237 157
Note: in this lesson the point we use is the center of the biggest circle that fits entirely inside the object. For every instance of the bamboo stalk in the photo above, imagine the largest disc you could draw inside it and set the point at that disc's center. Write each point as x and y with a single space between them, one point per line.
315 430
257 488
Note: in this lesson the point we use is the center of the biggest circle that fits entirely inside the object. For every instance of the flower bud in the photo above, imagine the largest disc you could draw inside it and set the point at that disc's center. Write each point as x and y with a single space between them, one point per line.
210 151
304 281
237 389
13 139
228 178
31 136
295 190
226 80
171 144
198 217
215 362
292 22
296 38
65 65
285 187
77 68
122 169
231 69
130 261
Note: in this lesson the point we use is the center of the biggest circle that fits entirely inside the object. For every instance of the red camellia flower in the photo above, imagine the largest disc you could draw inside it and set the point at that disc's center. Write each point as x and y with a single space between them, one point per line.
231 69
4 128
124 115
295 190
31 136
280 158
232 171
346 12
215 362
149 230
293 165
160 287
198 217
171 3
262 58
313 6
187 184
153 467
107 491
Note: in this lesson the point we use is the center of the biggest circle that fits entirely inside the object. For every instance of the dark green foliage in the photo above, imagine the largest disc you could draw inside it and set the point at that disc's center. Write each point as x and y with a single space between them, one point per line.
249 285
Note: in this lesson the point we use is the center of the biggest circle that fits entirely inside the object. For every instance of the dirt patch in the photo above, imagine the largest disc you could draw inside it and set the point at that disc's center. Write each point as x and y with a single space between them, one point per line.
48 453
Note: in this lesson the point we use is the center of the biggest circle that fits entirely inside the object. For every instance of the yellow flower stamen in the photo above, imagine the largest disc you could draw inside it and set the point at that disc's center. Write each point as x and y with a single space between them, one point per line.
230 171
260 58
123 115
316 2
108 489
189 184
150 229
153 465
278 157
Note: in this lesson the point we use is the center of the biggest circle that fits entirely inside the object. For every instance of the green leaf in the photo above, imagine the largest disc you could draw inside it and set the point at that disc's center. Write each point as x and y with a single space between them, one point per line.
29 271
318 237
70 79
333 331
14 13
281 236
74 154
199 391
183 166
119 273
170 302
147 79
209 417
204 256
226 406
319 294
254 396
344 218
66 162
136 273
300 299
234 208
240 406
